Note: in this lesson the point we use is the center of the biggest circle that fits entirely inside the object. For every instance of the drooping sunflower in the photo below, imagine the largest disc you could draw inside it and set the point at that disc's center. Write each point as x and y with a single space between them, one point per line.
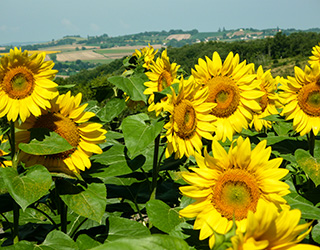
68 119
147 54
268 102
189 119
315 59
270 229
162 74
301 99
26 84
228 185
233 87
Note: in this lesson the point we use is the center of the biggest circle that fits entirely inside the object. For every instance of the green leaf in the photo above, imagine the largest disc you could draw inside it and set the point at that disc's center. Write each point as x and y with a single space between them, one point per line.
122 227
111 110
93 106
85 242
21 245
133 86
45 143
89 203
316 233
153 242
116 161
66 86
308 210
168 90
57 240
162 216
309 164
277 118
139 132
282 128
28 187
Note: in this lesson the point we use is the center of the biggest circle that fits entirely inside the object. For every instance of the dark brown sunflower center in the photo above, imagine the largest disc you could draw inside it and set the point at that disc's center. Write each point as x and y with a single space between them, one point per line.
165 80
235 193
63 126
309 99
184 116
224 92
18 83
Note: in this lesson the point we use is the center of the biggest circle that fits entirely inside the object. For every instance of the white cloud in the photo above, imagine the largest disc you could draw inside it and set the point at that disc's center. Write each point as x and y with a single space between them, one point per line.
68 24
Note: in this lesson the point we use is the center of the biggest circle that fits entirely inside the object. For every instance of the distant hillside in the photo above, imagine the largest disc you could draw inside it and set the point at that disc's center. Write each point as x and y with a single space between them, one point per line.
73 53
174 38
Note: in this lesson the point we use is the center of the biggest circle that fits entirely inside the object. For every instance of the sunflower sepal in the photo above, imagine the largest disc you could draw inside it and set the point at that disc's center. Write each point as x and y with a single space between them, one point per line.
223 241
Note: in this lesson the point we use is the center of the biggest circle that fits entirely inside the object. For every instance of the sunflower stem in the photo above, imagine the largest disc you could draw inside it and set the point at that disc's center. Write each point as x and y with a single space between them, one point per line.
16 207
16 214
311 142
63 216
62 209
155 168
12 140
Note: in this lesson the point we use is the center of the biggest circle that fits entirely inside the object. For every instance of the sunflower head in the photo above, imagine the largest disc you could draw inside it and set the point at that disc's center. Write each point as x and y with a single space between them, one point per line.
146 54
301 98
162 74
26 84
233 88
315 58
269 228
227 186
189 119
67 118
268 102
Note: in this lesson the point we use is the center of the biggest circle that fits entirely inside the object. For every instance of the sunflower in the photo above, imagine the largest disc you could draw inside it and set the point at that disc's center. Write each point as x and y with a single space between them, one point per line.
68 119
162 74
26 84
270 229
232 86
228 185
189 119
268 102
315 59
301 99
3 152
147 54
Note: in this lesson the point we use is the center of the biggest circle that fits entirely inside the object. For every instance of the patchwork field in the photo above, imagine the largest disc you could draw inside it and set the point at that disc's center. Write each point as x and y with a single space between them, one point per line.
92 53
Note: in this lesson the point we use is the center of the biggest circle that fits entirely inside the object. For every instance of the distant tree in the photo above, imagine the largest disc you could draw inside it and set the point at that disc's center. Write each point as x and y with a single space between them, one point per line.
53 57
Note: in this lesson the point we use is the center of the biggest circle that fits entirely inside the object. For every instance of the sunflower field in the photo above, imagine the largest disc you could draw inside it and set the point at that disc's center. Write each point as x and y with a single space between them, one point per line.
226 157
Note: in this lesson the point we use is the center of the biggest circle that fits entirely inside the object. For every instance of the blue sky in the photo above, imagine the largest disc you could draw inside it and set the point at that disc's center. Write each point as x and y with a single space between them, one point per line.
44 20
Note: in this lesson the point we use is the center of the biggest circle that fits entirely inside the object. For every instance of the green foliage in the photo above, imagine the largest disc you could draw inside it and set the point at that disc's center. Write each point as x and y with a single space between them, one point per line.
309 164
45 142
154 242
27 187
163 216
111 110
139 131
88 202
133 86
124 228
